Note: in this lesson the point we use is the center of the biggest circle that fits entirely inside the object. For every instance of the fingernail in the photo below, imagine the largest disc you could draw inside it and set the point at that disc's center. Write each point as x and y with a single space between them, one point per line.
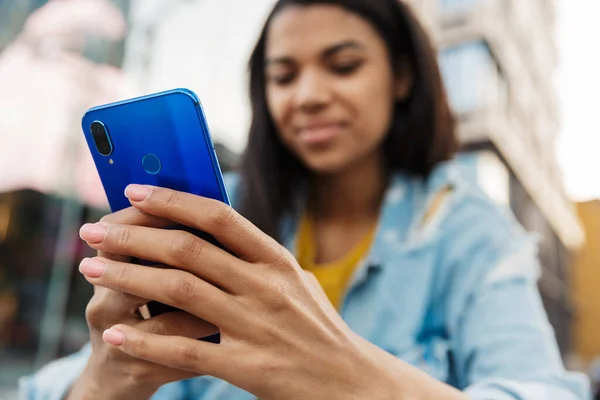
92 267
94 233
137 192
113 336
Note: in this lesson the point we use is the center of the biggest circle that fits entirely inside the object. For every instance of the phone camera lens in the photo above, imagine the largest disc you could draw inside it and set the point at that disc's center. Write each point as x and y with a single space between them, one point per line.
101 138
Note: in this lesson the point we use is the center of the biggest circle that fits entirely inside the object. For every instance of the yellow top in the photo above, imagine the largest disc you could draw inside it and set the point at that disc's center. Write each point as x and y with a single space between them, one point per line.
333 276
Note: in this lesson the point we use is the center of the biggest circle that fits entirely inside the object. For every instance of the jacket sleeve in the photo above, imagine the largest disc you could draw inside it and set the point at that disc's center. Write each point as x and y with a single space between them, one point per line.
503 344
53 381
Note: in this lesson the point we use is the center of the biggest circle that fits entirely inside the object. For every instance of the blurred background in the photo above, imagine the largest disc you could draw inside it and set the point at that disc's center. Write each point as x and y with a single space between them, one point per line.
522 77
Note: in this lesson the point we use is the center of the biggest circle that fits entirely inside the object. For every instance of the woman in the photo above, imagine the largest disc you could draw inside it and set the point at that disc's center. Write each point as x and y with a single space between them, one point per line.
348 166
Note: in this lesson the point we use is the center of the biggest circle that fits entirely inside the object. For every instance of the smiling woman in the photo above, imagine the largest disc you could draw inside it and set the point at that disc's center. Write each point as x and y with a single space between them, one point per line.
368 87
419 286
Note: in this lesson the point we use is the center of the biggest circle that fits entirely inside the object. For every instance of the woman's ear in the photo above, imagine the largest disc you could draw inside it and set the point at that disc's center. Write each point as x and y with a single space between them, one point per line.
404 82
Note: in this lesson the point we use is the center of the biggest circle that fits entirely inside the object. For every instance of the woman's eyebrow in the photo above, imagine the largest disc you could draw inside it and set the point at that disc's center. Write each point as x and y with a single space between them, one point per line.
328 52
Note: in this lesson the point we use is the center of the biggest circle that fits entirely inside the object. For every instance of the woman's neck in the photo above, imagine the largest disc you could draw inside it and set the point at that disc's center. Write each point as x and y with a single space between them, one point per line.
355 193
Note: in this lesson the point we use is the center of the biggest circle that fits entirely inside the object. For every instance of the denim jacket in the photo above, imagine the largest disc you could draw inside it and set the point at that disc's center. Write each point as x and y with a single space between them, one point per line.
454 295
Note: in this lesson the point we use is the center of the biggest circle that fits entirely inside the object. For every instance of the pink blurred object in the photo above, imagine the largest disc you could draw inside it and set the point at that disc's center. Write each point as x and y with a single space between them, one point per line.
43 96
70 20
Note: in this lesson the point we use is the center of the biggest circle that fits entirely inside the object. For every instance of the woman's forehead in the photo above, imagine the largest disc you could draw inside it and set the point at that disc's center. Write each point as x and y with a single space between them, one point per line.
316 27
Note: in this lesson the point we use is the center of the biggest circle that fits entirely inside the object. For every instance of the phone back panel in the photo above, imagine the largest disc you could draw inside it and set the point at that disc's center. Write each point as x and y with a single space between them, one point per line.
169 127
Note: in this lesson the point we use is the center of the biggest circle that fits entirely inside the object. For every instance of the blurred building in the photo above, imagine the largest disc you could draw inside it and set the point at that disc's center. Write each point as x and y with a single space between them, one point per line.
586 276
498 59
42 296
30 244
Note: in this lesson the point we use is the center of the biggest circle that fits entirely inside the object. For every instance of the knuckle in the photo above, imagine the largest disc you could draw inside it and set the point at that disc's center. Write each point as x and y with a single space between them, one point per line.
312 279
187 246
282 290
135 216
284 263
187 357
183 289
169 198
123 236
155 326
223 214
310 276
140 374
94 313
279 296
120 275
137 347
99 311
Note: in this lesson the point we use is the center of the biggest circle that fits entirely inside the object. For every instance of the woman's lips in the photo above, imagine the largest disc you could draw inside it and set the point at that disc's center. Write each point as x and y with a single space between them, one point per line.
319 134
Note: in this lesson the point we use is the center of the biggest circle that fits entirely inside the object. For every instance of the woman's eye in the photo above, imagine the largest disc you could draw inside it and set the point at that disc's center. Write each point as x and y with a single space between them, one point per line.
282 79
347 68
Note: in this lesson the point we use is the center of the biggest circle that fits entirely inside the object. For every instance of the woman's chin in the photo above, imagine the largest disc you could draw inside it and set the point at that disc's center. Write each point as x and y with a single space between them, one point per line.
324 166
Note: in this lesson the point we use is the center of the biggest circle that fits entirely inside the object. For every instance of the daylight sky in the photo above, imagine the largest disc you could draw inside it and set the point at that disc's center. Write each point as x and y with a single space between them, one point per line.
578 83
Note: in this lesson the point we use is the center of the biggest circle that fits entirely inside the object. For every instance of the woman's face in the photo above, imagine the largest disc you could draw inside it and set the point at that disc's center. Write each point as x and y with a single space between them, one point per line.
330 86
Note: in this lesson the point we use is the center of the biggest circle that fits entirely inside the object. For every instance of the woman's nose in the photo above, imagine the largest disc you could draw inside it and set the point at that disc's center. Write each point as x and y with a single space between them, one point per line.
313 92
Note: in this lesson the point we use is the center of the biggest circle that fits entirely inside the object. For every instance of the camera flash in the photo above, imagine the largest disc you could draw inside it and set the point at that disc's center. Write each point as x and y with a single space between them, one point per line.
110 161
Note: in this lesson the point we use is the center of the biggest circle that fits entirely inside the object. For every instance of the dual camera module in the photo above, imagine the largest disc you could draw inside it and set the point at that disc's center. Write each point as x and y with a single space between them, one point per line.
101 138
150 162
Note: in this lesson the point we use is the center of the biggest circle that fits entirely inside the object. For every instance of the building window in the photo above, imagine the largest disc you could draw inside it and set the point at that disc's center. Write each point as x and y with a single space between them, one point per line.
473 78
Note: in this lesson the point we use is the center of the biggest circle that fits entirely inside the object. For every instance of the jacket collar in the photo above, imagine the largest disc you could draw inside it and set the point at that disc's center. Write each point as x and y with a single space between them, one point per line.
400 224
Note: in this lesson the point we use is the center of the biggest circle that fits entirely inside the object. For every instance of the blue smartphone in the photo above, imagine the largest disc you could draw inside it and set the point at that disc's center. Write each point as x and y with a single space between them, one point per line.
161 139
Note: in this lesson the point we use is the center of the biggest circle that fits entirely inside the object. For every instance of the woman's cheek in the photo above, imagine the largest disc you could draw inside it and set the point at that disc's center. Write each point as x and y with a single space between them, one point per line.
281 112
380 113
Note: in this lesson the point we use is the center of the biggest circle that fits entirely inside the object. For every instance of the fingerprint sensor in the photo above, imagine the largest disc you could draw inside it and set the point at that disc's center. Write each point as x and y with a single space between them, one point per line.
151 164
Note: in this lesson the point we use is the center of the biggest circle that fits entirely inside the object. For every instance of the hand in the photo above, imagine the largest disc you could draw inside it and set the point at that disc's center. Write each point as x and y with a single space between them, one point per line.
280 336
129 377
